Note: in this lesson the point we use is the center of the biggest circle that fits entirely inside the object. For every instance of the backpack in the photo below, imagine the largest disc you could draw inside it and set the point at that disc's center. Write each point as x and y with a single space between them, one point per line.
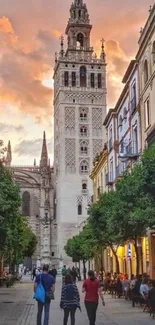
39 294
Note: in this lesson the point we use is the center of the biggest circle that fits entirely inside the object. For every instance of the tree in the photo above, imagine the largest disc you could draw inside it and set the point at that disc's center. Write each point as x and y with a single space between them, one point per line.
81 247
135 212
102 219
2 151
16 239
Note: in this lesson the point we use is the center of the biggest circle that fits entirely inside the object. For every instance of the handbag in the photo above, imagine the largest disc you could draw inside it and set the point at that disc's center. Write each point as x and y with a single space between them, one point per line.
50 295
39 294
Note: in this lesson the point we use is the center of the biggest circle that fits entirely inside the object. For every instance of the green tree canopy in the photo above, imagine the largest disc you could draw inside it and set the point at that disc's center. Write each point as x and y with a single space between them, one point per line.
16 239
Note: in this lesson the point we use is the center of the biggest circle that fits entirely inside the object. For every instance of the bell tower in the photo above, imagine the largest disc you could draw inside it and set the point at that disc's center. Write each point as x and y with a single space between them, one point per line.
79 112
78 27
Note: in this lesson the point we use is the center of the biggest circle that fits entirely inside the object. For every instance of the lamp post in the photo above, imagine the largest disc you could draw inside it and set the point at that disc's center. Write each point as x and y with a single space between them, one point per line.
46 220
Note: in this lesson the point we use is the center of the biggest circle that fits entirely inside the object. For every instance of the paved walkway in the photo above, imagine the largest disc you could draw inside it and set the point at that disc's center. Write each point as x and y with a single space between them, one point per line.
18 308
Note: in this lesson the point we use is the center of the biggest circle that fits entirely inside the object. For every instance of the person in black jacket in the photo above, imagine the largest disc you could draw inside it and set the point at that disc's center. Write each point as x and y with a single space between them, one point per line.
53 272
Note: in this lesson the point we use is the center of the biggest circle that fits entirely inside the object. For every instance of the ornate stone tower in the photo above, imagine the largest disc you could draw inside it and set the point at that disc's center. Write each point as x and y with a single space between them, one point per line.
79 112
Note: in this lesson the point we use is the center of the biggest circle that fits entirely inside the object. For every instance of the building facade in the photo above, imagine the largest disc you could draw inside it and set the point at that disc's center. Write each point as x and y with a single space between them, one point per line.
79 112
146 66
36 185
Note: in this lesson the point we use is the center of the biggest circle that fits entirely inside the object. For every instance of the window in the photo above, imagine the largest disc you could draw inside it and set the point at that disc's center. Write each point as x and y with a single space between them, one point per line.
79 209
73 79
83 115
79 13
120 125
80 40
52 253
92 80
83 77
133 98
26 204
125 113
84 148
66 79
153 52
147 112
146 72
84 167
83 131
111 171
135 140
99 80
84 186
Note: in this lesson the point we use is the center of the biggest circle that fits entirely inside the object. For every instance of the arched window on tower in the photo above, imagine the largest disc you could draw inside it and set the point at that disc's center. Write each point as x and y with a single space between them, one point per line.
73 79
83 77
92 79
79 209
84 148
66 78
83 131
80 40
84 167
79 13
153 52
84 186
146 71
26 204
83 115
99 80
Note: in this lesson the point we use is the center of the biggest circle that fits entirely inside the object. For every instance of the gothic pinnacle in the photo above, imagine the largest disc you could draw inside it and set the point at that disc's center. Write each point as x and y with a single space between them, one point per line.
44 154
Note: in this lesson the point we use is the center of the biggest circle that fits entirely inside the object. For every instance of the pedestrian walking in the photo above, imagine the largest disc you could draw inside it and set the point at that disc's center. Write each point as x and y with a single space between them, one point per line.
34 273
73 273
70 299
92 290
64 272
48 283
53 272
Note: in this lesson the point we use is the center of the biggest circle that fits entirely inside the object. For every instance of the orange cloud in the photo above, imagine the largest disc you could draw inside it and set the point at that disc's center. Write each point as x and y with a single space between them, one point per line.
7 33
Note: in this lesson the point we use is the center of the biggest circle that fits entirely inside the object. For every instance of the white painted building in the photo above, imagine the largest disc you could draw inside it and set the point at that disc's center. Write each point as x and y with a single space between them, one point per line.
123 127
79 112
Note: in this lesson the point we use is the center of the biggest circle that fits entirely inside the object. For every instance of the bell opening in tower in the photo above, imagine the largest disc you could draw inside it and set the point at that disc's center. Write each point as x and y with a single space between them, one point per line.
80 40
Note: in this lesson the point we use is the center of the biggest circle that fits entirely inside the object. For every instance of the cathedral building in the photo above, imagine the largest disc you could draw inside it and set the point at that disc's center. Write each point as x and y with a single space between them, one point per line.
79 112
36 185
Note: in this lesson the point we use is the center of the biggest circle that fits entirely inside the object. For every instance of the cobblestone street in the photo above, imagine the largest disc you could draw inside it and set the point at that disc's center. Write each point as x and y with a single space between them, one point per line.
18 308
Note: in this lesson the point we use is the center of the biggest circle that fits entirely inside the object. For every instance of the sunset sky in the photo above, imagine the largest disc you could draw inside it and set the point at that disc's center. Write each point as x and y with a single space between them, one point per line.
29 37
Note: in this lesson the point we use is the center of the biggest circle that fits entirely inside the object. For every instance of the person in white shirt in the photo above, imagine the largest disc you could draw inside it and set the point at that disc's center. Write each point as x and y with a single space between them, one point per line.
144 289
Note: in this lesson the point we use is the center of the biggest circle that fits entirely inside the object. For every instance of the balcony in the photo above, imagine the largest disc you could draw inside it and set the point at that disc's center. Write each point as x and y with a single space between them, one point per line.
133 105
129 152
84 191
109 179
110 144
120 170
99 191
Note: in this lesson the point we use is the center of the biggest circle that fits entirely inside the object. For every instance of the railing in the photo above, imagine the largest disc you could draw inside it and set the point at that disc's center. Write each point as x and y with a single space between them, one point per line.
119 170
133 105
132 148
84 191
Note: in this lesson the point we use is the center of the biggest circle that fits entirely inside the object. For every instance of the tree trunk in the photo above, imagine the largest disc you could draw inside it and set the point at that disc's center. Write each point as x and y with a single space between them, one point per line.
102 267
116 259
137 258
84 270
